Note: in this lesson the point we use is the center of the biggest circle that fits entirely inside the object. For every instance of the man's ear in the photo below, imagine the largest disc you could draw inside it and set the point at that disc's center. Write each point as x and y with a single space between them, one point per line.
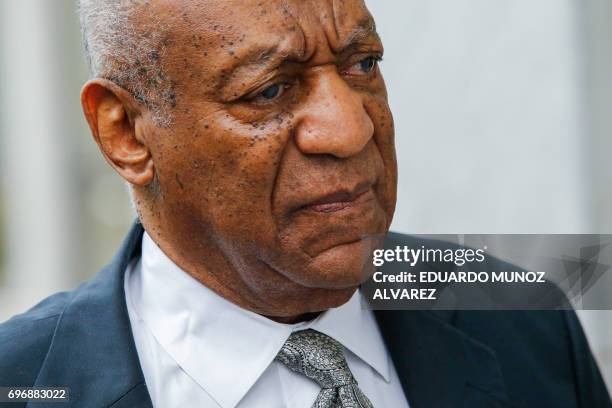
116 123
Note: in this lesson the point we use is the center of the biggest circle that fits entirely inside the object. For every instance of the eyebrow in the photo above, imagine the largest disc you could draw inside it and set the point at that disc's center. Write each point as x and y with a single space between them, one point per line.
263 58
266 58
364 29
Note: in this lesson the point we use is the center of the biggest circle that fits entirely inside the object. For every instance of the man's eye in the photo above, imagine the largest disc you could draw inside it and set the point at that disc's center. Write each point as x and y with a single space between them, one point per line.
364 66
367 64
272 92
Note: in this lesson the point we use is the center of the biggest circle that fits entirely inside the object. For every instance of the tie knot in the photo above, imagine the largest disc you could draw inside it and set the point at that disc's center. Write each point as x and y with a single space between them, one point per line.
318 357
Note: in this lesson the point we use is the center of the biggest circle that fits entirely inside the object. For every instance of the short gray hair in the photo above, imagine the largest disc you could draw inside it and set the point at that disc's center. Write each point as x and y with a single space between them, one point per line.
129 54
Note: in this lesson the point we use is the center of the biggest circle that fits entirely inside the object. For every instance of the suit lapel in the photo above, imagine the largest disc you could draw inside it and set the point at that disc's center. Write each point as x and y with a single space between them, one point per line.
93 351
438 365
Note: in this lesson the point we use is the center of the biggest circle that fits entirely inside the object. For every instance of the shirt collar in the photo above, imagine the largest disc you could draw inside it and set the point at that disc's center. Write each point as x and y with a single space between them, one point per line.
201 330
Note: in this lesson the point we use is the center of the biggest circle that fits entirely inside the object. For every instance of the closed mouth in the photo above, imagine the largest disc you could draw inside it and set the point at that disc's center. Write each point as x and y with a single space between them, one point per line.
341 199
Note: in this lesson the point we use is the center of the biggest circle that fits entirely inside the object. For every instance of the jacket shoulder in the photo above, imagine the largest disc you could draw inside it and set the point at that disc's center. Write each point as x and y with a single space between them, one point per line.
541 352
26 338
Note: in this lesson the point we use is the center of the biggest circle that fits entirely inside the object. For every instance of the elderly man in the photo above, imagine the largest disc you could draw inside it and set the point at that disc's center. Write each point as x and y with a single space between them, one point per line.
258 145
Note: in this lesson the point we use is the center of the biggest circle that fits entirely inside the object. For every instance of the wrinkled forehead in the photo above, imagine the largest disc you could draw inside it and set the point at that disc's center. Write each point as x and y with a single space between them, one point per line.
237 24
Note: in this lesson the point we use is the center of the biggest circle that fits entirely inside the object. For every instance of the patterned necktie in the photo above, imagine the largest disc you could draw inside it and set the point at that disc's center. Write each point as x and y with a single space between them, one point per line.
320 358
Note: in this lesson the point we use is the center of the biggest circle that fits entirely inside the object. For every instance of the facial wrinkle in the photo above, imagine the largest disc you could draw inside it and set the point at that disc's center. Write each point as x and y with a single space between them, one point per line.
335 16
293 21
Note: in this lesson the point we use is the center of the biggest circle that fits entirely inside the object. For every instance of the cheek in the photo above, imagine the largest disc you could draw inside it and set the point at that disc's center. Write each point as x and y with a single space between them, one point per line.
384 138
222 172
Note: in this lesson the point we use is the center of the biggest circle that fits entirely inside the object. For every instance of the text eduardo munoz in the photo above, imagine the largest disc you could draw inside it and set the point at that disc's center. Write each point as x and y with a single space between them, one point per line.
459 257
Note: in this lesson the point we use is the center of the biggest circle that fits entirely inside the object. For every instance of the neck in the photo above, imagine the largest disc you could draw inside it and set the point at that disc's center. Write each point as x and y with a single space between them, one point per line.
294 319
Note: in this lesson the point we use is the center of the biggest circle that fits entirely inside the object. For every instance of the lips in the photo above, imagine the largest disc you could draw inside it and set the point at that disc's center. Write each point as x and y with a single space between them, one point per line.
341 199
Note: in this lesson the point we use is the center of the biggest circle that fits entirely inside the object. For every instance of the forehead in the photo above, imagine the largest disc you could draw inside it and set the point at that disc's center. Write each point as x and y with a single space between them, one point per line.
237 23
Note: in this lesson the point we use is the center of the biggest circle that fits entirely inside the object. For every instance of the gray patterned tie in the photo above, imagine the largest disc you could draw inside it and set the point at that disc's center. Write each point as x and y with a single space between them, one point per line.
320 358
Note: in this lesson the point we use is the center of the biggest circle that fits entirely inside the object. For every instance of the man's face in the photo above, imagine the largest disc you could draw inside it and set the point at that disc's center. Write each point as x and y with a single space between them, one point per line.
280 162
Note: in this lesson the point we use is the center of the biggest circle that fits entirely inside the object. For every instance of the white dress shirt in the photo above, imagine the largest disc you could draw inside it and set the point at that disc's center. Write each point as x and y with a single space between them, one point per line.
199 350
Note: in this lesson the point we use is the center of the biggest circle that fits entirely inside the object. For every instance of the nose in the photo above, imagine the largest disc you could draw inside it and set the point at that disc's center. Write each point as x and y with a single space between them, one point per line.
334 120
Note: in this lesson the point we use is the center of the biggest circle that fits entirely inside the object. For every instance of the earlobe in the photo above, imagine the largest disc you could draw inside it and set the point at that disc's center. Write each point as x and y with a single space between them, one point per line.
118 129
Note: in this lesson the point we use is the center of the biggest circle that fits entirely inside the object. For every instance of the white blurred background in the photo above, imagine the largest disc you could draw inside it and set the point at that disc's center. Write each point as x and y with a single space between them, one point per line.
502 112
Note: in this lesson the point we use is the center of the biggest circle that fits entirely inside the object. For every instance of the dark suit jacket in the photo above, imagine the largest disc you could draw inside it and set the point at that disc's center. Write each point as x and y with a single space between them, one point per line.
83 340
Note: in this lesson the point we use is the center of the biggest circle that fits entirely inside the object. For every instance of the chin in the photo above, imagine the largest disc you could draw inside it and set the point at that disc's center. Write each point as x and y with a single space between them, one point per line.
344 266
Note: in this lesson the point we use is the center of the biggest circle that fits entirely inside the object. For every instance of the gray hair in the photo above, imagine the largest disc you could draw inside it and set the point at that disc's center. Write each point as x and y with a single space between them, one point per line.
125 43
